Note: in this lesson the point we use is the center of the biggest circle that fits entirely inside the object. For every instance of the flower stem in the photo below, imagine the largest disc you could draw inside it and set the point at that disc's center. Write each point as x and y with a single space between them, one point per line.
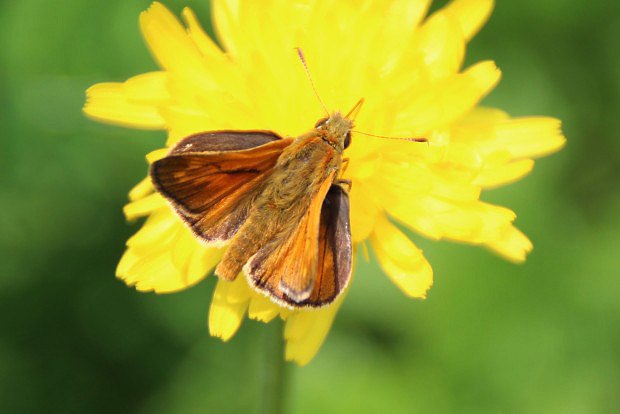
274 384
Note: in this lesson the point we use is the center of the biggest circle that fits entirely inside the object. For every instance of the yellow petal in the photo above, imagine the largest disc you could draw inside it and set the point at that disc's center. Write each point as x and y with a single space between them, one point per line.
153 271
225 21
505 145
158 229
221 68
305 332
399 22
485 75
144 206
529 137
483 114
401 260
446 180
157 154
138 270
187 253
469 221
471 14
460 156
184 122
164 257
363 211
476 222
173 48
441 44
445 102
202 261
202 40
512 244
142 189
262 309
228 307
148 88
107 102
505 173
128 260
419 217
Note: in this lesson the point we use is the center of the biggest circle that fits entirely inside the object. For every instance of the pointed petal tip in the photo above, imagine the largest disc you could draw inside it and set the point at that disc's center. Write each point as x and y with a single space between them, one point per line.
401 260
224 323
472 14
514 246
293 356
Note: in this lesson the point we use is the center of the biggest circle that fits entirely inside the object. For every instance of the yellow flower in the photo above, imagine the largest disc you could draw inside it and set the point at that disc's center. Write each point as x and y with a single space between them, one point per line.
409 70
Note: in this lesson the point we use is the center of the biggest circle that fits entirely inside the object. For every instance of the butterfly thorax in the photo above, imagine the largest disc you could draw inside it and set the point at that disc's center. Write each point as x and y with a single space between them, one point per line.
300 170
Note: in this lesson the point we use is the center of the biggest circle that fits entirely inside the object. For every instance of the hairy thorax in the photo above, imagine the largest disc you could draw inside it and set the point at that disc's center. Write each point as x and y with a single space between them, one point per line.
300 170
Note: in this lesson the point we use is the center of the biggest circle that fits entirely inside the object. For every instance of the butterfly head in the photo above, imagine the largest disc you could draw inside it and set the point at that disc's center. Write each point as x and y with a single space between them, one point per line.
336 129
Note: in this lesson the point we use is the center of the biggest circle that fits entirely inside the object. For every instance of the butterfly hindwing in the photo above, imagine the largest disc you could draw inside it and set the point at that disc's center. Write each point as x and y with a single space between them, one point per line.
312 265
212 178
335 248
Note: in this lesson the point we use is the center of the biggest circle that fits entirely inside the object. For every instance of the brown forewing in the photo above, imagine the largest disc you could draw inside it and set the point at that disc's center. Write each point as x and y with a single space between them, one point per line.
212 178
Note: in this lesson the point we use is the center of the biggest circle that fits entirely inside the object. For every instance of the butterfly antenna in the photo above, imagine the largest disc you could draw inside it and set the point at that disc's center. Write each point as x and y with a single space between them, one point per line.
303 61
396 138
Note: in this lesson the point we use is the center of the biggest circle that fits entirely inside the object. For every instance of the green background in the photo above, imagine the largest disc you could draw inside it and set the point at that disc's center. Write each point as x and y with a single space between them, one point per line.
492 337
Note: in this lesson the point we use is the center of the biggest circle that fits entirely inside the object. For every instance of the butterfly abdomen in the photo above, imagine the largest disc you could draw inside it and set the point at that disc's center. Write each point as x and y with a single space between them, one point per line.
244 245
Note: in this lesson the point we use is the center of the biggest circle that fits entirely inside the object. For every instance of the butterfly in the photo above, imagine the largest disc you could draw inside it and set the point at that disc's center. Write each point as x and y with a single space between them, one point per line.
279 203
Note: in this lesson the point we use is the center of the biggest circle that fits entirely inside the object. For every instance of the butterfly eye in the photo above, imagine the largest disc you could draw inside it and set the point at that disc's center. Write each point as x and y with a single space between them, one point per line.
321 122
347 140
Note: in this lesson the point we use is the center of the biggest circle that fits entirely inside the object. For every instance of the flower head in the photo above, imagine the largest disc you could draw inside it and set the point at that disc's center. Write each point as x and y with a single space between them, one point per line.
408 68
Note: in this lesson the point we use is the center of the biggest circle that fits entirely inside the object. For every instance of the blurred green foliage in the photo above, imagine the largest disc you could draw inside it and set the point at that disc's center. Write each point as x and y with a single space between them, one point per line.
491 337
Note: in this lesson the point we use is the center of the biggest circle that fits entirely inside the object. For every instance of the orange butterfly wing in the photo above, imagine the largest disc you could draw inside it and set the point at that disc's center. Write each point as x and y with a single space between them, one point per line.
313 265
212 178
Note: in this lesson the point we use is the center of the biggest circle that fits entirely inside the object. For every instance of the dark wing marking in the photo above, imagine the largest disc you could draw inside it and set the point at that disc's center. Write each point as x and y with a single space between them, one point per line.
218 141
